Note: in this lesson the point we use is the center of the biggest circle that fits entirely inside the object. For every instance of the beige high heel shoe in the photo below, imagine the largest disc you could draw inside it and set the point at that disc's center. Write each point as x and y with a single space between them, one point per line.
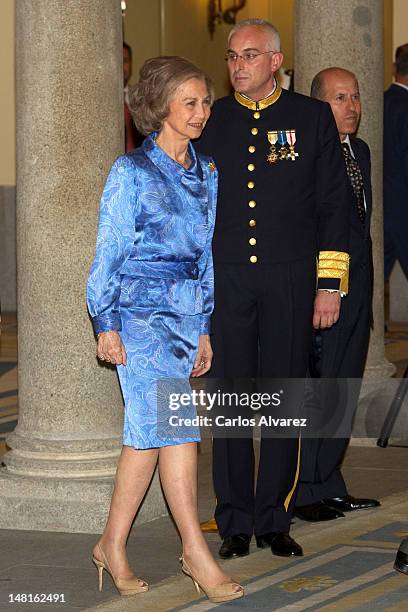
217 594
125 586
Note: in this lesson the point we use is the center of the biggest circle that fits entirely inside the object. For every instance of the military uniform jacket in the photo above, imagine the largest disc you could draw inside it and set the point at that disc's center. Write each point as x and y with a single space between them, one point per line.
287 208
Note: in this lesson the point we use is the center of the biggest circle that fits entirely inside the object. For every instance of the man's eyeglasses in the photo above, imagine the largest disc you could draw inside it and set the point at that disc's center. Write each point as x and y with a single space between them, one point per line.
247 57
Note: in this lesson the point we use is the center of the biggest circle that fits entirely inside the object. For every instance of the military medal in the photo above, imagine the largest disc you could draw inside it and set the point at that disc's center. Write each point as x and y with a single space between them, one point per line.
211 166
286 140
291 138
283 151
273 155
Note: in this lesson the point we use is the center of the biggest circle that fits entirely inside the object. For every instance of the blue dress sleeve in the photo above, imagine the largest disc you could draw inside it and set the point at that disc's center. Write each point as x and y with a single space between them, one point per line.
116 236
205 263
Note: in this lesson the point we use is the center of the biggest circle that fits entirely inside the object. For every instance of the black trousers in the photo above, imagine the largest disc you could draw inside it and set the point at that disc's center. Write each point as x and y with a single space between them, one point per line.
395 245
261 327
338 352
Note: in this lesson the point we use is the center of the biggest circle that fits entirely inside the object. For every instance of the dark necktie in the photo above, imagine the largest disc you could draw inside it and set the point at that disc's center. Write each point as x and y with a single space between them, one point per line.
356 180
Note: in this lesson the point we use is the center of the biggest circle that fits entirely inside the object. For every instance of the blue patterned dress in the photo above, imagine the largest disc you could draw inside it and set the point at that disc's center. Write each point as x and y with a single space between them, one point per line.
152 280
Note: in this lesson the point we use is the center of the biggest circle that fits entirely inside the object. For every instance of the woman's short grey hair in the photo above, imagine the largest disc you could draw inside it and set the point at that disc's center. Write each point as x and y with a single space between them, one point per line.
159 78
273 34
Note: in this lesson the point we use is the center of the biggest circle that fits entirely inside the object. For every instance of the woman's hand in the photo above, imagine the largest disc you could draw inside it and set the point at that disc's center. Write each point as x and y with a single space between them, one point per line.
110 348
203 358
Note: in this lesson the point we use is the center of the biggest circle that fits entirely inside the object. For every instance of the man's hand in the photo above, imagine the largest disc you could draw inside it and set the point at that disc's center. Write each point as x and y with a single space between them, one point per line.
110 348
326 309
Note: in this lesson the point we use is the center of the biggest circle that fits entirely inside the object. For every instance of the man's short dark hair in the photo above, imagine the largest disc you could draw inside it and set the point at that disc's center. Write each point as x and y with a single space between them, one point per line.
317 86
401 60
128 49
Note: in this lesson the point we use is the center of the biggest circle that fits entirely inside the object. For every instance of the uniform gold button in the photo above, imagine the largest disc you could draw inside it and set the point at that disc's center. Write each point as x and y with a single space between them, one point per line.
254 131
253 259
251 184
252 204
251 149
257 115
252 223
251 167
252 241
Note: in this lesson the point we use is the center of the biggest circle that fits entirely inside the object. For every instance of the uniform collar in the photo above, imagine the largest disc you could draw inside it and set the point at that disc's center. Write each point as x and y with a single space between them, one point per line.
260 104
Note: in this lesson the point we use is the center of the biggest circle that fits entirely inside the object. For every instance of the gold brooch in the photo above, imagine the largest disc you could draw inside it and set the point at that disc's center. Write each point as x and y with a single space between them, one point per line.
211 166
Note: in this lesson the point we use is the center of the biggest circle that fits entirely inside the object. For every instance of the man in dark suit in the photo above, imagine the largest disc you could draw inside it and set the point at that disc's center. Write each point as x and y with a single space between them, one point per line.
282 195
340 352
396 166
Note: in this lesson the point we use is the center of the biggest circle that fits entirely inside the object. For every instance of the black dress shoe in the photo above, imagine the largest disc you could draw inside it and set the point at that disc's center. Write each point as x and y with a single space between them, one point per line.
235 546
316 512
401 561
281 544
348 503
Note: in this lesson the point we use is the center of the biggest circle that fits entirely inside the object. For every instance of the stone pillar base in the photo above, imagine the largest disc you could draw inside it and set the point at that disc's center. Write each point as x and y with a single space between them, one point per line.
69 505
41 458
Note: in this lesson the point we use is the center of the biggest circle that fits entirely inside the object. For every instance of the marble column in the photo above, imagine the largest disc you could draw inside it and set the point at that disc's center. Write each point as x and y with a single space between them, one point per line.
58 473
349 35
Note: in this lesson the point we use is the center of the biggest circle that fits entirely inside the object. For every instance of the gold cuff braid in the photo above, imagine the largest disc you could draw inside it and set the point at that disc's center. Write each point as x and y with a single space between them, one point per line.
334 264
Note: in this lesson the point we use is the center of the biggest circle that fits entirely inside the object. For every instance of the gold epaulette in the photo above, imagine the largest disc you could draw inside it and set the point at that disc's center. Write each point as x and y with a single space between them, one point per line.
334 264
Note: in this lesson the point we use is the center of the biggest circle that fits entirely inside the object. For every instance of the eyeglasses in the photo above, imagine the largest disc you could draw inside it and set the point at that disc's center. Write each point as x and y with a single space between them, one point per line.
247 57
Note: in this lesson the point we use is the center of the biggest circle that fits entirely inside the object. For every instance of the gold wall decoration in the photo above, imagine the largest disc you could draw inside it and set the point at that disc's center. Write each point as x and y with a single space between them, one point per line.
217 14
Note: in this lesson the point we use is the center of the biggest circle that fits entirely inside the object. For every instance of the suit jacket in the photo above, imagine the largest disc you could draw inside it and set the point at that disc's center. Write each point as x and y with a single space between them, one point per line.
396 155
298 205
360 247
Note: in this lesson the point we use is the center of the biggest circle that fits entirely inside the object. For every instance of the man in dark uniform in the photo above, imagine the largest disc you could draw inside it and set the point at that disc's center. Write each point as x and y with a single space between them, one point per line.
281 201
396 166
341 351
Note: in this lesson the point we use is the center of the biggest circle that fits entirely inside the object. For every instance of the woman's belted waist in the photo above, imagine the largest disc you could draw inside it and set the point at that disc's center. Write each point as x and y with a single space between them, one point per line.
160 269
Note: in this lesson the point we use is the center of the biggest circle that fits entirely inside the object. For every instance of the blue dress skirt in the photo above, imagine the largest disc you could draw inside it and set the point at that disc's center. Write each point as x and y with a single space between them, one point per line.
152 281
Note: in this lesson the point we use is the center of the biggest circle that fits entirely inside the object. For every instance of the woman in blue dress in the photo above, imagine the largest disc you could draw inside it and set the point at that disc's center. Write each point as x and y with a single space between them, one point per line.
150 295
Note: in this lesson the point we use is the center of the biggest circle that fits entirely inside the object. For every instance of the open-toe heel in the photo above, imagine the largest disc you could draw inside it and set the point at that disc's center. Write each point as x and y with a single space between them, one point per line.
217 594
125 586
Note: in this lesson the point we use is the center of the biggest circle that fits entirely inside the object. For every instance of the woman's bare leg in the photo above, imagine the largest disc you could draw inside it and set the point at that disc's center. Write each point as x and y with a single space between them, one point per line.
133 476
178 474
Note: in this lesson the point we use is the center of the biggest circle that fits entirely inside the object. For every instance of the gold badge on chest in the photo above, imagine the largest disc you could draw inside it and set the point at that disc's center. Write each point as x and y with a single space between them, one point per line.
282 145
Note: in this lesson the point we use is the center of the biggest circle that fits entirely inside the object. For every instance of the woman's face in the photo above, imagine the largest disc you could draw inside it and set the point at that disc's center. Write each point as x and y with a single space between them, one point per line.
189 110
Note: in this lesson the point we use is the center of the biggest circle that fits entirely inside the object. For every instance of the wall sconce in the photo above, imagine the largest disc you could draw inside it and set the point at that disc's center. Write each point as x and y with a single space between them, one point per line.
123 7
217 15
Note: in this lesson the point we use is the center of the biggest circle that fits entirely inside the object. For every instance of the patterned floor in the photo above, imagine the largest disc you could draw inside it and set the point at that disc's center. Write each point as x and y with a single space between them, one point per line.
349 567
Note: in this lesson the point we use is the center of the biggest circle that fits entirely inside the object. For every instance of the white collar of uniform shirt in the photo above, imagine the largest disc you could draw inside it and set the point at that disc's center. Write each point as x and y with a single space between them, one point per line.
401 85
347 140
269 94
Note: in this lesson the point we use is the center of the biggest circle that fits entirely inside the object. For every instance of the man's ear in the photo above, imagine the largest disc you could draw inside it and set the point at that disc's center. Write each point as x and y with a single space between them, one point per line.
276 61
394 69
